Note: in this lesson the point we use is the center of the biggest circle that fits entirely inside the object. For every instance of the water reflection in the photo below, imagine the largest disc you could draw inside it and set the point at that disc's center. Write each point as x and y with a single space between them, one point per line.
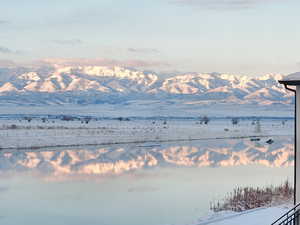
150 184
119 159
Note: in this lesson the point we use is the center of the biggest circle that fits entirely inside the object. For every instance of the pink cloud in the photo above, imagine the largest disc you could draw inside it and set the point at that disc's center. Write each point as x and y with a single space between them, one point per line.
7 63
102 62
143 50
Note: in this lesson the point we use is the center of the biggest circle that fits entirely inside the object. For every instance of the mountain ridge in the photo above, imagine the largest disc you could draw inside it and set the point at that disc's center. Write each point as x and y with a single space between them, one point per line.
98 84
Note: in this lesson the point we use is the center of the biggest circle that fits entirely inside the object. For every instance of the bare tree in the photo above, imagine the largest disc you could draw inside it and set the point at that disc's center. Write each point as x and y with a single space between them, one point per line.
235 121
204 120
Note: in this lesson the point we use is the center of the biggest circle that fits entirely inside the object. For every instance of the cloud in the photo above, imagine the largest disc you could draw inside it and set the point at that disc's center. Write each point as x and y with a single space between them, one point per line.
224 4
68 42
142 63
102 62
7 63
5 50
143 50
3 22
3 189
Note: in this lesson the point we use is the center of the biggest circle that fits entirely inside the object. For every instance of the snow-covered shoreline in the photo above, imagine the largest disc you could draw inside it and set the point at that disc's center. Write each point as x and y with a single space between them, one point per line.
263 215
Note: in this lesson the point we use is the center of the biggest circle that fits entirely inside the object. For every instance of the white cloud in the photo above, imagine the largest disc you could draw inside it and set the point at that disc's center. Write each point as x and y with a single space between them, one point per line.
68 42
143 50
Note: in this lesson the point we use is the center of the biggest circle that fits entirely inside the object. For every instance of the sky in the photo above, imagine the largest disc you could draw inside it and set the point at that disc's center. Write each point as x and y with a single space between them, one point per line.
249 37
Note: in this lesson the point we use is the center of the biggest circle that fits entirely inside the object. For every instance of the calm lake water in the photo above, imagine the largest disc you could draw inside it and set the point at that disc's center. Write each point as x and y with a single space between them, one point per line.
137 184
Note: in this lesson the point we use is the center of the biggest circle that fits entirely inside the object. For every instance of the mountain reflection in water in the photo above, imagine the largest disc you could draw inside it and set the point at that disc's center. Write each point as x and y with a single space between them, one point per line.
118 159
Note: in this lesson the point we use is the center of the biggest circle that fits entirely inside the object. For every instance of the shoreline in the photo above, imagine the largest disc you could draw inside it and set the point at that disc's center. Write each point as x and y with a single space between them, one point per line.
133 142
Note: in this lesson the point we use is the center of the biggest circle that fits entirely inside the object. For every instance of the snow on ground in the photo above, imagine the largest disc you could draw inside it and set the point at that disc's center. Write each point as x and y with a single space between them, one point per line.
61 133
257 216
19 133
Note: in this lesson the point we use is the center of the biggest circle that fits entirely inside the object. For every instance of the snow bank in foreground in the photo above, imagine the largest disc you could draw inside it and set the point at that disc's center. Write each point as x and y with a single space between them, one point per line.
250 217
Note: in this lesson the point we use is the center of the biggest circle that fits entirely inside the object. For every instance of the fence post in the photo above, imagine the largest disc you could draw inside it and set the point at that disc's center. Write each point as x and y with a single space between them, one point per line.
296 217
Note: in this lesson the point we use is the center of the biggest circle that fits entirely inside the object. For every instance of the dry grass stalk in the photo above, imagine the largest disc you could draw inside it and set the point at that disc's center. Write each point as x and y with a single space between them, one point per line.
246 198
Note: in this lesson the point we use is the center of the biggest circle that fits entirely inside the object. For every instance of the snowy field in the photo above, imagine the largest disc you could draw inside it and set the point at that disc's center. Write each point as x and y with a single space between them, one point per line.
35 131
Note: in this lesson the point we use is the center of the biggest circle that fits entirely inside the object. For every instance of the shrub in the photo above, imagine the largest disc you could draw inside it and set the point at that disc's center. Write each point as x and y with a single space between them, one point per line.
13 126
241 199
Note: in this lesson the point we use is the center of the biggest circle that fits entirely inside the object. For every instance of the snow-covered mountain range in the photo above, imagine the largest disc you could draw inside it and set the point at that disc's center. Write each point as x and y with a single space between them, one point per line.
96 85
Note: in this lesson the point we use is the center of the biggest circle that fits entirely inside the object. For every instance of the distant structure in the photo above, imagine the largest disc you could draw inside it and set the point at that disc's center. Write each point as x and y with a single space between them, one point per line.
294 80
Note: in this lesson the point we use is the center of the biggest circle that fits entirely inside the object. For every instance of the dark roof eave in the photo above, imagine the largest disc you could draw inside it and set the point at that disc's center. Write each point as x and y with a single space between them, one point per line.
289 82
